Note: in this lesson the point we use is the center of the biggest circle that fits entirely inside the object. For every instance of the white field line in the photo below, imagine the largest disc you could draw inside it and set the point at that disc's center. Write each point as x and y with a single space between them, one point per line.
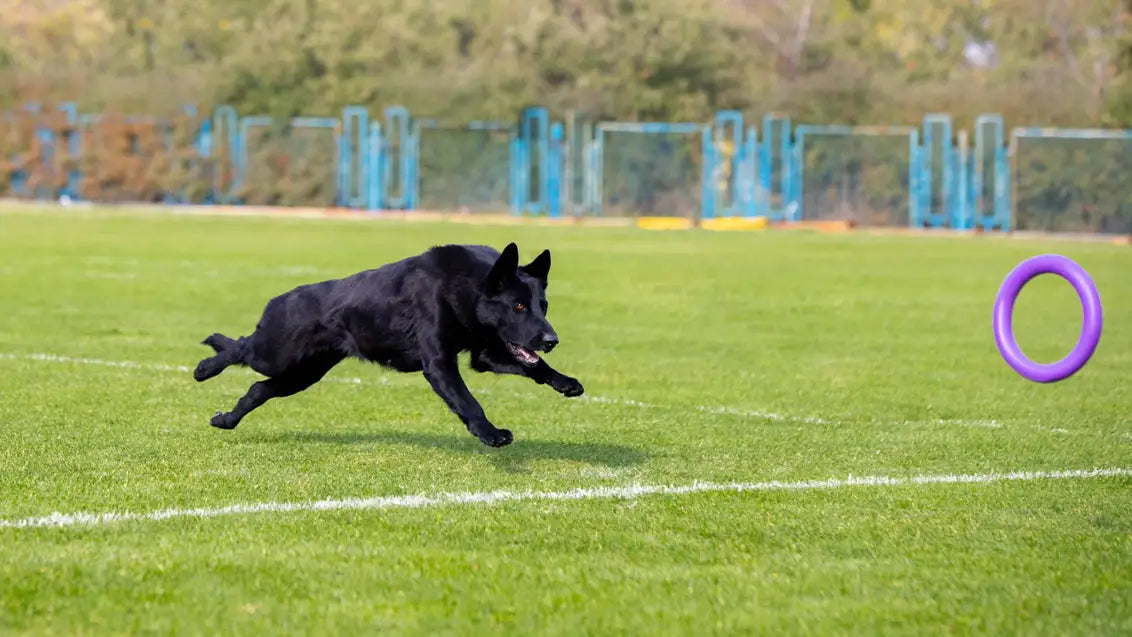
724 411
960 422
99 274
765 415
78 360
386 381
110 267
488 498
157 367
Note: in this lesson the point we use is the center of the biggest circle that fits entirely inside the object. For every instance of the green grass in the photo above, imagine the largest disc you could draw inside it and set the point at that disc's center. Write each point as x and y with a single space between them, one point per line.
886 342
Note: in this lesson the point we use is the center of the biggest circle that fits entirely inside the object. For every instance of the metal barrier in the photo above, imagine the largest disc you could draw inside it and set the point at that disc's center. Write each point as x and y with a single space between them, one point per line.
398 157
464 167
269 157
989 177
865 174
776 166
353 158
1071 180
651 168
927 176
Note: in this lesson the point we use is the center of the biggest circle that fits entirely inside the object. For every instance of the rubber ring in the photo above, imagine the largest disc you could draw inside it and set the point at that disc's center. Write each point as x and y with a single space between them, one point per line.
1004 318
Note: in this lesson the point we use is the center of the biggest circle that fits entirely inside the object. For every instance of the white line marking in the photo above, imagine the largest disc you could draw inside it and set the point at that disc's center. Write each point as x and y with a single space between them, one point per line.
958 422
985 424
615 401
389 382
78 360
724 411
158 367
766 415
763 415
489 498
94 274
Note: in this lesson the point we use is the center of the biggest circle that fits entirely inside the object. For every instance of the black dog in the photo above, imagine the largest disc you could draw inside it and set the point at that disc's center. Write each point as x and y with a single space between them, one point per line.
412 315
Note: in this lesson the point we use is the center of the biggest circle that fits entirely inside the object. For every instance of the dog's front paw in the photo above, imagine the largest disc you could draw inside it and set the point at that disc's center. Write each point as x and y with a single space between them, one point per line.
495 437
203 372
568 387
222 421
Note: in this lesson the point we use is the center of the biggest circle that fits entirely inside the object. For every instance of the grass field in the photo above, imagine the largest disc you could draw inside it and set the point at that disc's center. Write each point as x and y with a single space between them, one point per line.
731 357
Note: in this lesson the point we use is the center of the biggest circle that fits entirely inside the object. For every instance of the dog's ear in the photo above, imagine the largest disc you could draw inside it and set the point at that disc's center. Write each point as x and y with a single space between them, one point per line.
540 267
505 266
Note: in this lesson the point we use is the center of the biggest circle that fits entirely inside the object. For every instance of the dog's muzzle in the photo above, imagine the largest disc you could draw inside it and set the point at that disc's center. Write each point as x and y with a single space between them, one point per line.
525 356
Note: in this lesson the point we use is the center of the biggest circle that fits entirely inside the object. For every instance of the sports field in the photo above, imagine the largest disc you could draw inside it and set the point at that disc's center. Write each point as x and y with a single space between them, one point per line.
745 395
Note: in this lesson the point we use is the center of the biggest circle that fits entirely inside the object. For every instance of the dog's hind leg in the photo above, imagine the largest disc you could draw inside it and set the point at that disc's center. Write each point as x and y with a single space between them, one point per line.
293 381
229 351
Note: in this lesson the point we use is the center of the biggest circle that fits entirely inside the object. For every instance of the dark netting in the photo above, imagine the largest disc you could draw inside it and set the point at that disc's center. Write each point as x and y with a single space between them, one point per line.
651 174
862 178
464 169
123 158
1073 185
19 155
292 166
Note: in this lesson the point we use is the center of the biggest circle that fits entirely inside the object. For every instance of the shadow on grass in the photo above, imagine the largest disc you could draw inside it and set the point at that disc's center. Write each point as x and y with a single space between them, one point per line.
513 458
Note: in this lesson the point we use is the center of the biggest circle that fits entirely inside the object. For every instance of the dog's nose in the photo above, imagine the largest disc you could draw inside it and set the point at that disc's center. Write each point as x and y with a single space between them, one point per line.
549 341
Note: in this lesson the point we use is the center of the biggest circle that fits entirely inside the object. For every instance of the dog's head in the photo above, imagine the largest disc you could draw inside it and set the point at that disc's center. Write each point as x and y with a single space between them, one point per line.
514 305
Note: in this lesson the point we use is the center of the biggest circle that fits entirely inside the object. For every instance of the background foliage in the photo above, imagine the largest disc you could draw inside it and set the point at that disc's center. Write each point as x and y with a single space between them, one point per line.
1038 63
821 60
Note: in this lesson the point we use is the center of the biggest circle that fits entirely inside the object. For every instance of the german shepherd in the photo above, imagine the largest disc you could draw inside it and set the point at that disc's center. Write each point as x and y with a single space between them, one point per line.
413 315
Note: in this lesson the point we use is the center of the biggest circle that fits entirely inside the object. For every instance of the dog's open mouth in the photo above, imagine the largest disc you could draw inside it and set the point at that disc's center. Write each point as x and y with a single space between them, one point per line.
523 355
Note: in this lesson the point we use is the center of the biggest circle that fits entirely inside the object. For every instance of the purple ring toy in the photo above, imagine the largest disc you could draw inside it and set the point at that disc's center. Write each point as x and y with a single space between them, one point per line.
1004 318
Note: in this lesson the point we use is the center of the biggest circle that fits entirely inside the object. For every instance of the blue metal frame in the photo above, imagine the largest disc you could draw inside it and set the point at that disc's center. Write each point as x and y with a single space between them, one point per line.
729 127
225 127
999 214
74 149
554 171
708 193
776 130
534 138
17 178
928 215
374 168
518 175
397 126
413 165
963 218
748 177
353 158
951 183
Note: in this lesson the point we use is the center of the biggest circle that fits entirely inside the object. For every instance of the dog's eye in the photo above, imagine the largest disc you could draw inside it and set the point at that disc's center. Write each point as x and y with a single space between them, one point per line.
519 307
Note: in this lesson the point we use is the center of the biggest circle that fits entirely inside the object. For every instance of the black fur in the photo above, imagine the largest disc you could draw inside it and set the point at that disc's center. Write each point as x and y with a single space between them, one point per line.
413 315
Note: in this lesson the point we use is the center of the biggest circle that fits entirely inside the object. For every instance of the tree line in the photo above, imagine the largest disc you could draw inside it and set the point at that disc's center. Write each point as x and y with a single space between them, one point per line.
1053 62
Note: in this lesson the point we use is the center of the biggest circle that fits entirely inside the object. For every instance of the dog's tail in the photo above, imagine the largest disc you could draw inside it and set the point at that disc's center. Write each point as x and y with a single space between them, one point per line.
227 353
219 343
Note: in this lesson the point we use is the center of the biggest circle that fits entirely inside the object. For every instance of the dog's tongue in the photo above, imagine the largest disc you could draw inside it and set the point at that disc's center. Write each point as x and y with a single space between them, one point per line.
525 354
